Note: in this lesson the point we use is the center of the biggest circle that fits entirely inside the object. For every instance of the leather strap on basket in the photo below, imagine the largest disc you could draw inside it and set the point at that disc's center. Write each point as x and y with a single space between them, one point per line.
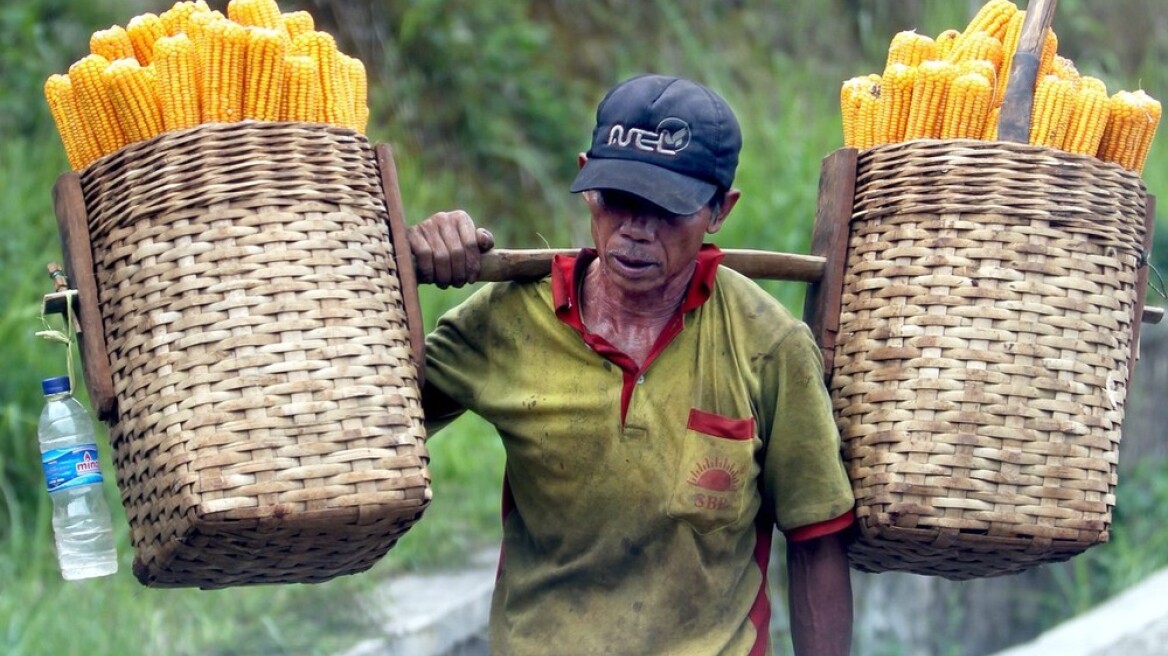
404 259
73 224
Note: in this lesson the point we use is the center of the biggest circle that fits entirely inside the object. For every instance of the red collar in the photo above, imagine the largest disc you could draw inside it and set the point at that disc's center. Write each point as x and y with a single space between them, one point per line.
568 274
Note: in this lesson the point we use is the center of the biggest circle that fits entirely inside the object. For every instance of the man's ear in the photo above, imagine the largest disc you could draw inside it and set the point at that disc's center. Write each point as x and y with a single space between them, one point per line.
582 159
728 203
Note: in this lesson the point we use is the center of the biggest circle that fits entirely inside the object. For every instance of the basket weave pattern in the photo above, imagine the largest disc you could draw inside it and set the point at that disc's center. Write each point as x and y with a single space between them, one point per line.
269 425
981 368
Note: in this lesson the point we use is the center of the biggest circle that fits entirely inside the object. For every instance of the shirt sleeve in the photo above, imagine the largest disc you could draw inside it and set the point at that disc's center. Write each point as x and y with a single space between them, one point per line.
803 472
456 353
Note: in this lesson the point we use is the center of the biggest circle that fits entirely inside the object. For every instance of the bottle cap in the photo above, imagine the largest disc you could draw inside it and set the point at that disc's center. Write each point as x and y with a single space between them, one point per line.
55 385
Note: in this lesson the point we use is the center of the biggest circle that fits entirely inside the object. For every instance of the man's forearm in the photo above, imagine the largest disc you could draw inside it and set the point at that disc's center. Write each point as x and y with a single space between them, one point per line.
820 596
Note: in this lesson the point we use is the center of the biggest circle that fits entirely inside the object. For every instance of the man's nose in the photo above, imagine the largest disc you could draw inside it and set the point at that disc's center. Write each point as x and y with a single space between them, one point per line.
641 224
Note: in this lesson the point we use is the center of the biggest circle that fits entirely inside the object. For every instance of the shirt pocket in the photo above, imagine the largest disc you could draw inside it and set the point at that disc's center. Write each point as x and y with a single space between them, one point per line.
715 476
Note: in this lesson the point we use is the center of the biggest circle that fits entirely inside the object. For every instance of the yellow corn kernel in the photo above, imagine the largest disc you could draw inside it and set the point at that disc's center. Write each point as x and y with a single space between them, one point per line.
978 45
80 145
1046 57
867 114
96 106
928 101
1151 113
267 50
223 56
134 92
910 48
981 67
302 94
144 30
177 19
358 91
1009 48
944 43
255 13
991 126
1088 117
967 107
1065 69
178 81
849 109
1131 126
112 43
993 18
896 89
335 101
1050 115
297 23
197 24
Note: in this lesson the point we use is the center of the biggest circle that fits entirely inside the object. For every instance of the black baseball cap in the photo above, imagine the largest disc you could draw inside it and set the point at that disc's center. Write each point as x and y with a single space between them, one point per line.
666 139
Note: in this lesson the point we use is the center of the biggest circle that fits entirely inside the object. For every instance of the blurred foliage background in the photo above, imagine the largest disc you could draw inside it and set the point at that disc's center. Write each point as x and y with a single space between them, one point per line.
486 103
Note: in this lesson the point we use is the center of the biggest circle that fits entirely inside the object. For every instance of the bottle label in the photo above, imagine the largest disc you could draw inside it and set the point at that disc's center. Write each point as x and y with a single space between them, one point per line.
72 467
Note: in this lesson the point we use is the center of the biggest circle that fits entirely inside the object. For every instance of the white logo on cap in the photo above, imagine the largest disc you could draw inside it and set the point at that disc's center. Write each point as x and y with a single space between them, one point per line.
671 137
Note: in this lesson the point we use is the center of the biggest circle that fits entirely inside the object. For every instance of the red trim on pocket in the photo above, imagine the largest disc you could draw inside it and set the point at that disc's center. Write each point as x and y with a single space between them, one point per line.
812 531
720 426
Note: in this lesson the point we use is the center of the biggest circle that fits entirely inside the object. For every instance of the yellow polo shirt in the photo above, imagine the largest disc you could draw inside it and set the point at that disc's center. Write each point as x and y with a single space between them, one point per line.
639 502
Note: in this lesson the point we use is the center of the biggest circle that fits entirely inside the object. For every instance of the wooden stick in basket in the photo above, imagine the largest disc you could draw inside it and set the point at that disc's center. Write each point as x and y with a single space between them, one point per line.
1017 104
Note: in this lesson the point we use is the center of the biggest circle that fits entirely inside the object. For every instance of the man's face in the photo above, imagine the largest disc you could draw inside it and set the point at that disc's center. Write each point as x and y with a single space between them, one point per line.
641 246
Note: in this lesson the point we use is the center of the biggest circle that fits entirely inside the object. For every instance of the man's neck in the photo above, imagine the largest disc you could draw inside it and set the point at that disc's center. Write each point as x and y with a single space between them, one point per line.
631 322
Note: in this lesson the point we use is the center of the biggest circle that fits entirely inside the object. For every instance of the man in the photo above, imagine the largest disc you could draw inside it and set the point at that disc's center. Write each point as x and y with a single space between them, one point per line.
660 414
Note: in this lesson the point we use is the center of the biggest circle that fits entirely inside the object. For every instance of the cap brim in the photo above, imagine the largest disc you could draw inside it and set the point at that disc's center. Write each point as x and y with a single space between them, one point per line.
672 191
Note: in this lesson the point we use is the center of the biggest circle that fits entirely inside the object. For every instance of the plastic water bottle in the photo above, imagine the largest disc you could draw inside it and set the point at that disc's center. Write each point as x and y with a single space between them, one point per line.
81 516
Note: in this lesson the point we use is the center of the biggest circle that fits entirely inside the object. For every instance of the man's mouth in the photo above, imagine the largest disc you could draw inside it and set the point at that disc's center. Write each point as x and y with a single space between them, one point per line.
632 263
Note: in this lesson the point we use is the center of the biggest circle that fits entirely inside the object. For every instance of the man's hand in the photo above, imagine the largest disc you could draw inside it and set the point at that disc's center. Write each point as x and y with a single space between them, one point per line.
447 247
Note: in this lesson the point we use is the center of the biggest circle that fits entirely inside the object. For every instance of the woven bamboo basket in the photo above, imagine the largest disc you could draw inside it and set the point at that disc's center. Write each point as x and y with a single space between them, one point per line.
269 425
982 362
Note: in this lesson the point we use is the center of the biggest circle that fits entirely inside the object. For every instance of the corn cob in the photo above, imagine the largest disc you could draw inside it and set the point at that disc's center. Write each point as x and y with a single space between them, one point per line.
967 107
96 106
910 48
944 43
178 81
255 13
1065 69
1152 113
869 97
1009 48
302 94
223 53
80 145
177 19
112 43
133 88
979 45
852 100
993 18
1050 115
144 30
335 102
896 89
358 91
1131 125
297 23
1088 117
1049 50
267 50
928 101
